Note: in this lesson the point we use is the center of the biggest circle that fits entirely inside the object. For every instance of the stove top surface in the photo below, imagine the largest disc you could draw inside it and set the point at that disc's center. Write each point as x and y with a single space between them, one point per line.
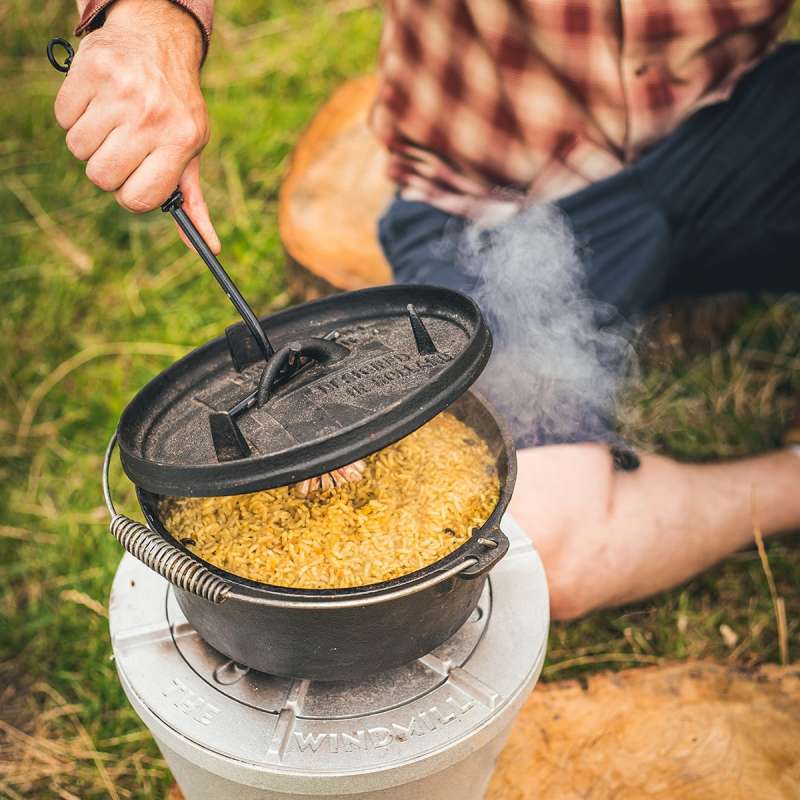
333 699
197 697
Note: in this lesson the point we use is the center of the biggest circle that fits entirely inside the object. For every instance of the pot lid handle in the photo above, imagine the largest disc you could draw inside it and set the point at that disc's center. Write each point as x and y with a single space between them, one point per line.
323 351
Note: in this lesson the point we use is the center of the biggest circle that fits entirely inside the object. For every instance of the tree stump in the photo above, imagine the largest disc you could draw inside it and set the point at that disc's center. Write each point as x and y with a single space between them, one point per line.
688 731
333 194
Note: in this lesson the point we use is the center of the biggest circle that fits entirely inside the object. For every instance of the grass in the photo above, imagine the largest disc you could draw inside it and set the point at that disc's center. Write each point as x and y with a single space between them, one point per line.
96 301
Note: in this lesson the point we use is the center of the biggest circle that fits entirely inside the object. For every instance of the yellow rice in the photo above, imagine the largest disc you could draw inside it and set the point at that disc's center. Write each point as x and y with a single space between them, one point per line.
419 500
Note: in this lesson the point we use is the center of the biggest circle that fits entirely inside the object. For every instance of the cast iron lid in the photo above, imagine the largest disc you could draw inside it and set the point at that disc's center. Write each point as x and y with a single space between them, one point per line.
350 374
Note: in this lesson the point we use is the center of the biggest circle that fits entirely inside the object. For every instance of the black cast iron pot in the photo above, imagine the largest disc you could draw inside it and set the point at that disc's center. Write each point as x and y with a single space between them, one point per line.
331 634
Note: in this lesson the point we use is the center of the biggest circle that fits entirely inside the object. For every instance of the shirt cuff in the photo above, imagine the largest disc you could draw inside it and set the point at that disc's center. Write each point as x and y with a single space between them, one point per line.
202 10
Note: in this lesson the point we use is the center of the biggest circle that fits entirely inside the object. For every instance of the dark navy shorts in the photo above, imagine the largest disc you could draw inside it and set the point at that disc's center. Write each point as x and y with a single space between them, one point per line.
713 208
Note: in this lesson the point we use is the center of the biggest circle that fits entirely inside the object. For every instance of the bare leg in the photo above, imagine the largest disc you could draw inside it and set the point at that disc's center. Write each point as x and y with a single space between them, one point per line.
608 538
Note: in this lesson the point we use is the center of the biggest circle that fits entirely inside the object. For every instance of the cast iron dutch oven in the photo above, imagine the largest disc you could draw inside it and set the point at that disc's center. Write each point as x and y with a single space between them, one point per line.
178 437
286 398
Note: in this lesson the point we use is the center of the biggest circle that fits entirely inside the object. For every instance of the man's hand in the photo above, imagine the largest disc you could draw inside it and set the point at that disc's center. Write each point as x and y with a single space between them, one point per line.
133 109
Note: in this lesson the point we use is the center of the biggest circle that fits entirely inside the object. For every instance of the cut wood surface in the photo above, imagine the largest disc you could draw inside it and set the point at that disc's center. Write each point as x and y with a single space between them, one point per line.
333 194
688 731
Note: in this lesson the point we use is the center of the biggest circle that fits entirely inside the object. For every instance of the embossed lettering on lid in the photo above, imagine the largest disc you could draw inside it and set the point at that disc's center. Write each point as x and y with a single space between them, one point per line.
350 375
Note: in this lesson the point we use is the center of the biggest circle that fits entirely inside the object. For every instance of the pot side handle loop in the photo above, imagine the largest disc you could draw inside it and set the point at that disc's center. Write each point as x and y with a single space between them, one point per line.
491 547
180 569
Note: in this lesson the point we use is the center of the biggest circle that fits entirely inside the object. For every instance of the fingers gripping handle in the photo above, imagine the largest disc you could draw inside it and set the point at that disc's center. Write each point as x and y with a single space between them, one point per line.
174 205
180 569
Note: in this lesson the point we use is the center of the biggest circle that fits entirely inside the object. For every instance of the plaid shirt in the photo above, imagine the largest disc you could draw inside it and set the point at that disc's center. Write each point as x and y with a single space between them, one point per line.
487 104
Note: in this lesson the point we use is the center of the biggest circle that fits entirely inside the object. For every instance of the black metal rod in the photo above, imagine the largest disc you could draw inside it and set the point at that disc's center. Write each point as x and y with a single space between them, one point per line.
175 207
246 403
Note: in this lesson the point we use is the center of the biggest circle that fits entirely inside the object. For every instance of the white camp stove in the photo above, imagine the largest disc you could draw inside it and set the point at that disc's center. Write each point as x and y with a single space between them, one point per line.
428 730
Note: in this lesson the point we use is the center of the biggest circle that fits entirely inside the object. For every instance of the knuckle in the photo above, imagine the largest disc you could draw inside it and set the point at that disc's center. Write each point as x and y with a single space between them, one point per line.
153 109
75 145
60 109
134 201
101 175
103 61
129 85
190 135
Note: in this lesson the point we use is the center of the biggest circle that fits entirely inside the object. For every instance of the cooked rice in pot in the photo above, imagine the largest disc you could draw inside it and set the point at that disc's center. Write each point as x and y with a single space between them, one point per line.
419 500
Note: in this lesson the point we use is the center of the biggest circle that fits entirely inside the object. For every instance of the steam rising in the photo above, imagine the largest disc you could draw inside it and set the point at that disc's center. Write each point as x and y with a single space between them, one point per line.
560 357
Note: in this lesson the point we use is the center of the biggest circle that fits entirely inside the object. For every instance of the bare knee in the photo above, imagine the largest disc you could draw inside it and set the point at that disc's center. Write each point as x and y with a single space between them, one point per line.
564 501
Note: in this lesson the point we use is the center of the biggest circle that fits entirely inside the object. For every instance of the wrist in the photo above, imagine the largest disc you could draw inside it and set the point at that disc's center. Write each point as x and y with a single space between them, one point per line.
164 20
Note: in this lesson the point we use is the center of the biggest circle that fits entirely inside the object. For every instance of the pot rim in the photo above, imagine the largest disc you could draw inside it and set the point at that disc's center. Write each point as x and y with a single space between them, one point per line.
448 566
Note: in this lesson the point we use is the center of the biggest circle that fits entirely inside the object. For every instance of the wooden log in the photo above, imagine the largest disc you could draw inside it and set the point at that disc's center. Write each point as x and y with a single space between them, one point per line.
332 196
687 731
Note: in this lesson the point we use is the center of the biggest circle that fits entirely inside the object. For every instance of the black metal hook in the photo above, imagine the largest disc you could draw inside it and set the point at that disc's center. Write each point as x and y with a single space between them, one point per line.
51 56
174 205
